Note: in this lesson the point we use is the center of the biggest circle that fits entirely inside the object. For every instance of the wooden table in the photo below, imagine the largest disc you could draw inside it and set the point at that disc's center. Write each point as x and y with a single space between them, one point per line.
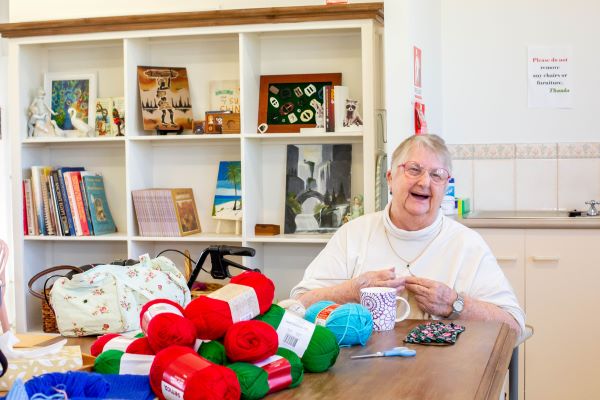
473 368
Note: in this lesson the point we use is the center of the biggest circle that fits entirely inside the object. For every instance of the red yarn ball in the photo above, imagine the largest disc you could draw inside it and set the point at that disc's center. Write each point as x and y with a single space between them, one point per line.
98 345
251 341
169 327
202 382
212 317
263 286
135 345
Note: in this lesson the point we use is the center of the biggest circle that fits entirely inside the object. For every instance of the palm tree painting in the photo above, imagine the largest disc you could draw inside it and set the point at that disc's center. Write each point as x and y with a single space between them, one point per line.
228 199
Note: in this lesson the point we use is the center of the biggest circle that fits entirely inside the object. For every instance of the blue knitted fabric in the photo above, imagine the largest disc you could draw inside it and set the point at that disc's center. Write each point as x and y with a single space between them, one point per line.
88 386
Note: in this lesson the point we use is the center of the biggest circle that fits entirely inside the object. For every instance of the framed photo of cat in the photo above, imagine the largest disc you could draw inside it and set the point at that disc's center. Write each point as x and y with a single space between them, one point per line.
290 102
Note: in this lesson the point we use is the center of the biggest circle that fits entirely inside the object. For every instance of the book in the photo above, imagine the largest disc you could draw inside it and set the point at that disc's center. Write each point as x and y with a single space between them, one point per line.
166 212
99 212
185 208
62 214
103 116
38 199
25 223
68 181
225 95
68 203
76 183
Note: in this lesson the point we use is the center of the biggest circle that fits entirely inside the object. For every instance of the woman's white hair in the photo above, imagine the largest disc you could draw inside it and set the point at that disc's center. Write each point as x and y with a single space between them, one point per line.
431 142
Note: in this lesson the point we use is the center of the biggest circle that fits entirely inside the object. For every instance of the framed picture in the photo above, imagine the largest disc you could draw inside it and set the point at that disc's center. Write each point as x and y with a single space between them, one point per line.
72 97
165 98
289 102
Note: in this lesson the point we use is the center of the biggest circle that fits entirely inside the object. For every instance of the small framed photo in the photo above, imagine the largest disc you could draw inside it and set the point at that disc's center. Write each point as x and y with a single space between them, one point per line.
72 97
289 102
198 127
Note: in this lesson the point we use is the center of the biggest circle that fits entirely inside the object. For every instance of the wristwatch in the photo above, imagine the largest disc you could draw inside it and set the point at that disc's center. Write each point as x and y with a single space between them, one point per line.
457 307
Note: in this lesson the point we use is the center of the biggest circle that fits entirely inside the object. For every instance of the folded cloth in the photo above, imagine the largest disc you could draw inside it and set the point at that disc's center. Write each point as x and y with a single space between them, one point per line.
435 333
87 386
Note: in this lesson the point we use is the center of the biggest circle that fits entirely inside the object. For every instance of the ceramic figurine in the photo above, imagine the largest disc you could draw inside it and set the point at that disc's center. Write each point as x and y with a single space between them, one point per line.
82 128
39 123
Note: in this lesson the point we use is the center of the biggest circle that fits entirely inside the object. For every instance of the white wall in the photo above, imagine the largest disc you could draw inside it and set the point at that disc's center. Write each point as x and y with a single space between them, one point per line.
412 23
32 10
484 48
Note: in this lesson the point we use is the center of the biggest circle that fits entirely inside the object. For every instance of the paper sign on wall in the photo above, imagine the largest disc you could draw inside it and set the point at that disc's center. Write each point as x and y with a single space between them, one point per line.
549 77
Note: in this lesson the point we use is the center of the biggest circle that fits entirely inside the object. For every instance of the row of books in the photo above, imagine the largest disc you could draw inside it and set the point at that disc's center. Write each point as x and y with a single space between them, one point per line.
67 201
166 212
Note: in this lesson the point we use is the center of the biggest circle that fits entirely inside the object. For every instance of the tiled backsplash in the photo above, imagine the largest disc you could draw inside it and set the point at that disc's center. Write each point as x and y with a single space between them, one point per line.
527 176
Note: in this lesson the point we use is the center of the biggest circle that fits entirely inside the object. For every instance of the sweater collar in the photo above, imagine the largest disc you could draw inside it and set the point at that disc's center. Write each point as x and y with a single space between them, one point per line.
425 233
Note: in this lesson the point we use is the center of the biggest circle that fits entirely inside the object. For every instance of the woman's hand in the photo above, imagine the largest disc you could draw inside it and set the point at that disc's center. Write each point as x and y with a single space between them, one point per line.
381 278
433 297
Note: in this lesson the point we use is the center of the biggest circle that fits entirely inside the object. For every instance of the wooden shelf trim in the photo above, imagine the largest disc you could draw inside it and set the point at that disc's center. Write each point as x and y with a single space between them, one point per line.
194 19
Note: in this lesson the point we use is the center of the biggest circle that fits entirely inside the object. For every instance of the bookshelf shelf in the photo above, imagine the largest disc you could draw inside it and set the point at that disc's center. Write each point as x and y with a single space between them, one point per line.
240 51
198 237
110 237
290 239
232 138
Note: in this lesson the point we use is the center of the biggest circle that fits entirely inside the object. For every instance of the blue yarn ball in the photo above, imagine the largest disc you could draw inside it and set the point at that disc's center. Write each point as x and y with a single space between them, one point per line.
351 323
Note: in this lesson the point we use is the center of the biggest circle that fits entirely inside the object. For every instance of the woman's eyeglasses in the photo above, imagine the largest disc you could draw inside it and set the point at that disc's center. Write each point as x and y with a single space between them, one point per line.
413 169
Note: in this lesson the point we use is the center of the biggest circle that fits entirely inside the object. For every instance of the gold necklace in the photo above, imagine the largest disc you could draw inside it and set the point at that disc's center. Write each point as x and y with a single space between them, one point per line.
409 263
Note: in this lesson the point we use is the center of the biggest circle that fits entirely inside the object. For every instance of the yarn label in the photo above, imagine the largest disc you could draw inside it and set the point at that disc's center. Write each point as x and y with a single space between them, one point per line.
119 343
174 379
279 372
294 333
241 299
324 314
154 310
136 364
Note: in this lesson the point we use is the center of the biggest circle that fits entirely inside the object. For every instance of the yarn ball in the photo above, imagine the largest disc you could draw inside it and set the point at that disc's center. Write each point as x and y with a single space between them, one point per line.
254 380
351 323
76 384
213 351
322 350
250 341
109 362
212 316
201 381
164 325
128 345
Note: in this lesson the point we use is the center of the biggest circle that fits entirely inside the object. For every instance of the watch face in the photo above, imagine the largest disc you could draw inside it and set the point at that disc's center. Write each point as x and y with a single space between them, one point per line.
458 306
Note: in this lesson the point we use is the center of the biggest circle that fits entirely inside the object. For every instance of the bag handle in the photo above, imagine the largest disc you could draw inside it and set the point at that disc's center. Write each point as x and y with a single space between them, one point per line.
37 276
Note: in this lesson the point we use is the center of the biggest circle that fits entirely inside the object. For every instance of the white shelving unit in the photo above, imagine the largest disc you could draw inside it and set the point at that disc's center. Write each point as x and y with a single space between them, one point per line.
142 160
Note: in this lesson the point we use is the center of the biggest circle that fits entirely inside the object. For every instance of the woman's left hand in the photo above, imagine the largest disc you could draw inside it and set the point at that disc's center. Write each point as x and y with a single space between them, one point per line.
433 297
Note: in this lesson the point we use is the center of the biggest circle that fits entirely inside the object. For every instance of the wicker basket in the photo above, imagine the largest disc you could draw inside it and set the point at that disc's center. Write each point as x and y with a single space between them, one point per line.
48 317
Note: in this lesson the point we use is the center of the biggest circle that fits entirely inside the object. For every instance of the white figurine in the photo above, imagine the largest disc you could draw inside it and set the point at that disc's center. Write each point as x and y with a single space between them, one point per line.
83 128
39 123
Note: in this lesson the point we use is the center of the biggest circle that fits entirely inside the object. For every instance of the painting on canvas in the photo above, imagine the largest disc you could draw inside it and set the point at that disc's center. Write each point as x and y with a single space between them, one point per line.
318 191
165 98
228 196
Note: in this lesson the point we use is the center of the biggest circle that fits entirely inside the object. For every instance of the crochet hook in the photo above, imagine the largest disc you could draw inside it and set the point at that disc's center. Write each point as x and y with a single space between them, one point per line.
395 352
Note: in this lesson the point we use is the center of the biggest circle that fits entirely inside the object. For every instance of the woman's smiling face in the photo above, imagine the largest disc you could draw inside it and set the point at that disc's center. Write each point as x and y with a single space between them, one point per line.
416 200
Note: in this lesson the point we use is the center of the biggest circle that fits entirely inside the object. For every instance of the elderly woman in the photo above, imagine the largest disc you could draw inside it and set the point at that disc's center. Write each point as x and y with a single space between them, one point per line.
444 268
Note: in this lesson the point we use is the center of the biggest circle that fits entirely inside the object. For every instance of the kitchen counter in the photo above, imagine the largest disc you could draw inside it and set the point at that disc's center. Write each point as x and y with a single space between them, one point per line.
534 219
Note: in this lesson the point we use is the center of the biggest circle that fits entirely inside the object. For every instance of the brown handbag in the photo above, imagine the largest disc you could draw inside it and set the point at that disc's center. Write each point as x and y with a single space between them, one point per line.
48 317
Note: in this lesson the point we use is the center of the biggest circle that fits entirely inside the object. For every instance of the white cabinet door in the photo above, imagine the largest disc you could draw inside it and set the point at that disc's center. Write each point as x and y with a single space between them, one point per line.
508 245
563 299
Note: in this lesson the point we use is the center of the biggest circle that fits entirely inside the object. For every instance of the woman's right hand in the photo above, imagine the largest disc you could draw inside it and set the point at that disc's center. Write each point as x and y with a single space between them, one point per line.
381 278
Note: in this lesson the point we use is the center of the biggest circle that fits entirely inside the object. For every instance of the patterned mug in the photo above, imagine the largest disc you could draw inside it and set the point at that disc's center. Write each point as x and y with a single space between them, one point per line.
381 302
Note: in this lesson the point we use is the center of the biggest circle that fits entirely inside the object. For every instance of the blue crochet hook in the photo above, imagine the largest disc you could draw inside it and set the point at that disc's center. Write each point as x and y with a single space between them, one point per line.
395 352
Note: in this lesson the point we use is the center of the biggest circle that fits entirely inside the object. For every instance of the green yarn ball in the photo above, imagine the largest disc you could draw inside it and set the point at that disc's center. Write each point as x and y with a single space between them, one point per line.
254 381
322 350
213 351
108 362
295 363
